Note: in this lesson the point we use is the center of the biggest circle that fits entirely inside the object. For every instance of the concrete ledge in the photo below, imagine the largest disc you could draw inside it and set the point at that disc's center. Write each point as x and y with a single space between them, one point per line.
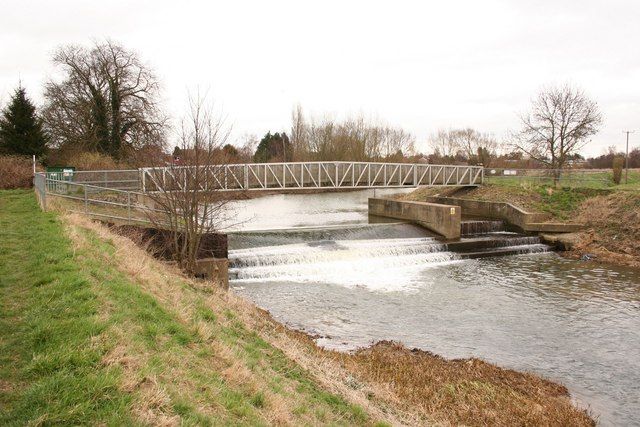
554 227
439 218
526 221
505 211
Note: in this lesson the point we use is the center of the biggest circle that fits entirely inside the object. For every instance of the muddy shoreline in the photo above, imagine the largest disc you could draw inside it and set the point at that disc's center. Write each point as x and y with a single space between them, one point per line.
418 379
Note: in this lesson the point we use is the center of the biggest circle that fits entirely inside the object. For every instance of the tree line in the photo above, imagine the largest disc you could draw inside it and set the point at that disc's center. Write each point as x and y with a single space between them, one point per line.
106 105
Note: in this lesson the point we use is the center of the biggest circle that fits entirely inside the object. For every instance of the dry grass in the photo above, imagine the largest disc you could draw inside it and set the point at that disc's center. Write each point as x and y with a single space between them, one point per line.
614 228
387 381
468 392
15 172
422 192
523 196
226 357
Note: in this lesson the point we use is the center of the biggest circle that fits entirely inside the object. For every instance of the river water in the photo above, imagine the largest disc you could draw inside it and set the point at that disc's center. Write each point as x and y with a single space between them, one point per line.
317 264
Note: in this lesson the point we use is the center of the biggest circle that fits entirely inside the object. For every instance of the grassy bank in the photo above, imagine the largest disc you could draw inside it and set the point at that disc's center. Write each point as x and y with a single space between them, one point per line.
95 331
81 342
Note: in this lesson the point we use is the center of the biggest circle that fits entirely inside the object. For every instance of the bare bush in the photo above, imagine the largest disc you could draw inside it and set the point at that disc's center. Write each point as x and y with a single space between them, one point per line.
91 161
618 165
188 202
16 172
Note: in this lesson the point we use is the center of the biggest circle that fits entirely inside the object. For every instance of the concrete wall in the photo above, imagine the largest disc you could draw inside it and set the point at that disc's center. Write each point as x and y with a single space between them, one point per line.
506 211
439 218
526 221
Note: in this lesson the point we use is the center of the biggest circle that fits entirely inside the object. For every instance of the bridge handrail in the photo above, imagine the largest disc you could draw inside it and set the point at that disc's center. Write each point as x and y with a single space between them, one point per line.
320 174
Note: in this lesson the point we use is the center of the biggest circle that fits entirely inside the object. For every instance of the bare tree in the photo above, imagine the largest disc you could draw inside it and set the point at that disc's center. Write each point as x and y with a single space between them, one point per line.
467 144
355 139
299 135
248 144
444 143
559 124
187 197
106 102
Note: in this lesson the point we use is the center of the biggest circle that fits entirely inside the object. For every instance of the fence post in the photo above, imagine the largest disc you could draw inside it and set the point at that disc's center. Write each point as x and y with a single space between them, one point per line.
43 191
129 205
86 201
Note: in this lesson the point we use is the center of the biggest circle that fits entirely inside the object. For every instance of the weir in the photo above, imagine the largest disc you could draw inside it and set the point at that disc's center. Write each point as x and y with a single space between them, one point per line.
352 254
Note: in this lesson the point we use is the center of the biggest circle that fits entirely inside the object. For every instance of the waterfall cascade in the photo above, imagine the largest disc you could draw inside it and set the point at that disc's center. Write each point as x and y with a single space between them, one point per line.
375 252
473 227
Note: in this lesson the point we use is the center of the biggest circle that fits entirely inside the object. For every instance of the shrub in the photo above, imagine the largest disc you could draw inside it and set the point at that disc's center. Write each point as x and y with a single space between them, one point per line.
16 172
82 160
94 161
618 164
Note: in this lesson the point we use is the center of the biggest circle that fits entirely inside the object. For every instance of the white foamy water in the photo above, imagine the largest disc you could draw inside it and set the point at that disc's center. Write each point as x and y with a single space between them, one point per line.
377 264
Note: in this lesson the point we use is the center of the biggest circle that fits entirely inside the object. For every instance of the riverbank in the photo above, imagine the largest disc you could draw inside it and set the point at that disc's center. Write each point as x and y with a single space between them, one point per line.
94 330
611 216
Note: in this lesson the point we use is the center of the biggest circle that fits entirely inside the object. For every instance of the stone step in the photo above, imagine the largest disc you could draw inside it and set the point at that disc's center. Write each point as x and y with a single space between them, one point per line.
553 227
471 227
509 250
490 242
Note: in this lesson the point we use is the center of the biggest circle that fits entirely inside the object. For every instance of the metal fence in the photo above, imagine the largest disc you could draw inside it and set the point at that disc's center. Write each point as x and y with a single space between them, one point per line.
97 201
594 178
308 175
128 179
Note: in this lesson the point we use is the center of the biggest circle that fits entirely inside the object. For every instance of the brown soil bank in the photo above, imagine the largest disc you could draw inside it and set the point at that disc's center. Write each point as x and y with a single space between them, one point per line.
392 385
614 228
612 217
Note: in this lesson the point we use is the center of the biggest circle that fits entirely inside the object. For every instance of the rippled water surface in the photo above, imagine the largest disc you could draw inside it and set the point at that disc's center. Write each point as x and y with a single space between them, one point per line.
576 323
304 210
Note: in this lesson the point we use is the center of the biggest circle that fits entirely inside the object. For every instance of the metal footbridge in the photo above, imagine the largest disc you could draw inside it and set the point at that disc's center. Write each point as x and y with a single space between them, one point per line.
307 176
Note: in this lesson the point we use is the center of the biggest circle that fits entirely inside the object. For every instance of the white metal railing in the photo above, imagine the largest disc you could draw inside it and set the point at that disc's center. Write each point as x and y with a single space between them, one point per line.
308 175
97 201
119 179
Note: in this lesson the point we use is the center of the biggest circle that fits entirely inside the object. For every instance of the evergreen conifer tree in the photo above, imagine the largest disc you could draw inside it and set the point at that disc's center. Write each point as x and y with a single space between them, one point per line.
21 130
274 147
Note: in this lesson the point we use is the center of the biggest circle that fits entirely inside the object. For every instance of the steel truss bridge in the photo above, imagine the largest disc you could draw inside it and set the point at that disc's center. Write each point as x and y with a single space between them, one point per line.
306 176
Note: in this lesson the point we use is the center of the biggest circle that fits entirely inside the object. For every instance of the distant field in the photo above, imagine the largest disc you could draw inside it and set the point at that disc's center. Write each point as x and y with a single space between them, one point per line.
582 179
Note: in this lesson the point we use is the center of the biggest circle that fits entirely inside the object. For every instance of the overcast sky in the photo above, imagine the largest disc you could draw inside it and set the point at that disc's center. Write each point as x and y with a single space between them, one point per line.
419 65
